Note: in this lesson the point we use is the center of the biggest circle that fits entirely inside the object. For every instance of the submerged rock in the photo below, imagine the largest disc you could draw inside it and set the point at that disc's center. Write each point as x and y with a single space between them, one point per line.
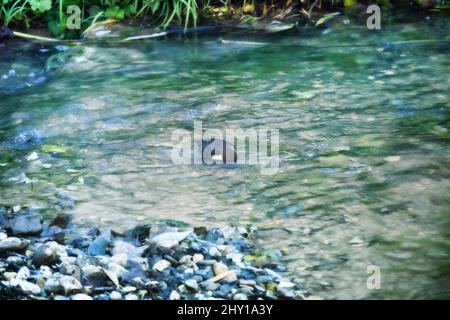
62 220
27 224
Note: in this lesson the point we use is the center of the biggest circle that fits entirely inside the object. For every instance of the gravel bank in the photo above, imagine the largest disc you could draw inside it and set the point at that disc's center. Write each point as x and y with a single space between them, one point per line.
58 260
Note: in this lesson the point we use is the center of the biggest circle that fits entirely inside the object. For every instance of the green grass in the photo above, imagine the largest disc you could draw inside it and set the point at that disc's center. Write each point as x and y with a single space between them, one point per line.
53 13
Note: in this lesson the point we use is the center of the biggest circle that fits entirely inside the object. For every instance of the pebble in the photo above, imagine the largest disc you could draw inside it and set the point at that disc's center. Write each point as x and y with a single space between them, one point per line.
197 257
137 282
23 273
272 273
285 284
9 275
214 252
240 296
92 272
15 260
98 246
62 220
45 271
115 295
124 248
28 287
220 268
246 290
189 271
230 278
129 289
185 259
170 239
174 295
244 282
120 259
236 257
161 265
48 254
114 270
191 284
12 244
27 224
62 284
207 262
85 265
81 296
263 279
210 286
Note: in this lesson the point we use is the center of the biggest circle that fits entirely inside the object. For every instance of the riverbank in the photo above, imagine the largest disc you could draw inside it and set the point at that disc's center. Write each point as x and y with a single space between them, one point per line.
58 260
67 20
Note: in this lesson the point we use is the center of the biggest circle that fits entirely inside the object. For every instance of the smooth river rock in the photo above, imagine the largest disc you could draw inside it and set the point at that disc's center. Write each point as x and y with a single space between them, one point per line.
12 244
48 254
27 224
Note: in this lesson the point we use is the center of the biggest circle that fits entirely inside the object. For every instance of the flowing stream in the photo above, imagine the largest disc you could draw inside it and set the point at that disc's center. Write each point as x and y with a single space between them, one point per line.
364 143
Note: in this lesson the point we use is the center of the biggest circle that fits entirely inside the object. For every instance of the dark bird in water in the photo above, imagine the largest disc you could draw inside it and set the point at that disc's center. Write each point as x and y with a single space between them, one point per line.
6 35
218 151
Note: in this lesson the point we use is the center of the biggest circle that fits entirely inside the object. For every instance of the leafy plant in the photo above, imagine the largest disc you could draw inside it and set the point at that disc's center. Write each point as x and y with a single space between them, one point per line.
163 12
8 13
115 12
41 5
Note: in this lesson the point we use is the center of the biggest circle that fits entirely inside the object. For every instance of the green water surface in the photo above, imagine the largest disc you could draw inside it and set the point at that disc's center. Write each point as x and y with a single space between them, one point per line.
364 144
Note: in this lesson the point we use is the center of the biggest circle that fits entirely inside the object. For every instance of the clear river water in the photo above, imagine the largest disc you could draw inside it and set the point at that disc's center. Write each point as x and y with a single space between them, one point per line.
363 116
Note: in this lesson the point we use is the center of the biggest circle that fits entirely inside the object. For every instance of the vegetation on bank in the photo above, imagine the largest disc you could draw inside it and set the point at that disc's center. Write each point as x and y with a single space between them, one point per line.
55 14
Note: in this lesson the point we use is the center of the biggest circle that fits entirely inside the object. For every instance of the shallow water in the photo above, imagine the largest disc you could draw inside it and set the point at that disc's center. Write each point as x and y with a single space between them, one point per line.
364 144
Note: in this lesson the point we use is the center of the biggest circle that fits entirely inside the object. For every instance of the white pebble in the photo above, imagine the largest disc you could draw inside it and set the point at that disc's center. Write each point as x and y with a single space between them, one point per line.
81 296
214 252
115 295
197 257
174 295
219 268
161 265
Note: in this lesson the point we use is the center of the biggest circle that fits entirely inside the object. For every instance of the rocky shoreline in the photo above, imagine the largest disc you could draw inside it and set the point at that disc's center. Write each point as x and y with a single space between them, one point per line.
57 260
